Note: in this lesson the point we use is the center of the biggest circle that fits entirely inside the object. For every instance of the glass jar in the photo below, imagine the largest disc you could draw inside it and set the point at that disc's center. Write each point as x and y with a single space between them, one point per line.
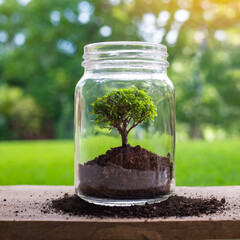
124 125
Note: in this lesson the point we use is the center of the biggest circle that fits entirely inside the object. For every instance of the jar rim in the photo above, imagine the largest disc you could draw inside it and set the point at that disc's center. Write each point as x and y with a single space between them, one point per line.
158 46
124 46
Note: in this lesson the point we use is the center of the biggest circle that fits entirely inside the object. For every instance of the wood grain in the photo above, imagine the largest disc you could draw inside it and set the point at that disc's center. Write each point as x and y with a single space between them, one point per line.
21 218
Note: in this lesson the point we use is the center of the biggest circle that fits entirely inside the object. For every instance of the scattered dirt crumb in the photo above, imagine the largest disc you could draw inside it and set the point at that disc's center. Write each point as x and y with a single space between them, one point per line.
177 206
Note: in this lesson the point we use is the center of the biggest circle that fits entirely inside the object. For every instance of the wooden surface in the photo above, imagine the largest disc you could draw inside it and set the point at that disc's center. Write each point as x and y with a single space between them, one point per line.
21 218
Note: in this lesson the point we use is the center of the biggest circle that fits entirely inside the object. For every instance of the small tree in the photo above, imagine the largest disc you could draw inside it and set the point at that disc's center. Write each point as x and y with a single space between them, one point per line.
124 109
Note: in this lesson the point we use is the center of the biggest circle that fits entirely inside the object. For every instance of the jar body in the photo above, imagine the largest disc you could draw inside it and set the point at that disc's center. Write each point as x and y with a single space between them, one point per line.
107 173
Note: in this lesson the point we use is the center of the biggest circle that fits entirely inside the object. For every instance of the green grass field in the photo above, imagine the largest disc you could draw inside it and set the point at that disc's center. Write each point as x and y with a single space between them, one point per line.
198 163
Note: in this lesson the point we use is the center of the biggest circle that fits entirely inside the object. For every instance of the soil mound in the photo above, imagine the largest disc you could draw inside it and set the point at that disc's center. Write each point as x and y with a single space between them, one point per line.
129 157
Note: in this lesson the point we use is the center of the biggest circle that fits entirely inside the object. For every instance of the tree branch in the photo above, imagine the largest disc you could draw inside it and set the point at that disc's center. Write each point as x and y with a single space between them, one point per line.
106 127
135 124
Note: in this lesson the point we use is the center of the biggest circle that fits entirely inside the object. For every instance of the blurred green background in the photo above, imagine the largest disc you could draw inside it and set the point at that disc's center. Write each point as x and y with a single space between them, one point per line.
41 48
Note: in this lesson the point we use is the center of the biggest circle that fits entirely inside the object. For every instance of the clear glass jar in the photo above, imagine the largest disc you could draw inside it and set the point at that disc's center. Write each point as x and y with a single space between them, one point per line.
126 88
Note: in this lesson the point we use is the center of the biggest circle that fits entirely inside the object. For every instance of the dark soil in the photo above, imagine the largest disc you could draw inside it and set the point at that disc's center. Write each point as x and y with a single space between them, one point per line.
129 157
126 173
175 206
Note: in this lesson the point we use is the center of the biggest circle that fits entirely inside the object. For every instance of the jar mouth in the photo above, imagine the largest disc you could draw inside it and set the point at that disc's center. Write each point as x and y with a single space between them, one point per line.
120 53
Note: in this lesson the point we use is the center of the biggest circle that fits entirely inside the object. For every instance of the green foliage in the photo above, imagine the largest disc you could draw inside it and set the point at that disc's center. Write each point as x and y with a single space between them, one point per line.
9 96
42 67
26 117
124 109
20 112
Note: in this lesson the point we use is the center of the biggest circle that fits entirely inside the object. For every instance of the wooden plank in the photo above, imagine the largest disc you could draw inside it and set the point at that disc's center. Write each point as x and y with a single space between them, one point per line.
21 218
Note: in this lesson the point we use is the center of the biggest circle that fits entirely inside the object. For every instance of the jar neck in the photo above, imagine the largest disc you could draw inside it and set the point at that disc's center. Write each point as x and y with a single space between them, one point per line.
125 71
125 57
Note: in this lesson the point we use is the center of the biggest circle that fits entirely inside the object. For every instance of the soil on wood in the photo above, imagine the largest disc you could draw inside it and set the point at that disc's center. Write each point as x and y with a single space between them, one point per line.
126 173
175 206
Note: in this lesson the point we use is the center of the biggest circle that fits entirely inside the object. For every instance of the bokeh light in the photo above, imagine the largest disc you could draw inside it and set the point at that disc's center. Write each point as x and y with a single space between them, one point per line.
105 31
19 39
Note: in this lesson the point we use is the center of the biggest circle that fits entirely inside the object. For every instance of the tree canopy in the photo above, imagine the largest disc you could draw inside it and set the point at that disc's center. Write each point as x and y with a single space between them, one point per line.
124 109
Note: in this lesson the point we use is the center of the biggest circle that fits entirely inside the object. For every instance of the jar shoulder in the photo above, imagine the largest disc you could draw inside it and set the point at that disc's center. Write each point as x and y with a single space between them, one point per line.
159 79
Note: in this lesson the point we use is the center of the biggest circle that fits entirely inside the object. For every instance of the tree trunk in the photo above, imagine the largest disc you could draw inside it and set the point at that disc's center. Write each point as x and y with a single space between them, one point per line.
124 139
195 131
